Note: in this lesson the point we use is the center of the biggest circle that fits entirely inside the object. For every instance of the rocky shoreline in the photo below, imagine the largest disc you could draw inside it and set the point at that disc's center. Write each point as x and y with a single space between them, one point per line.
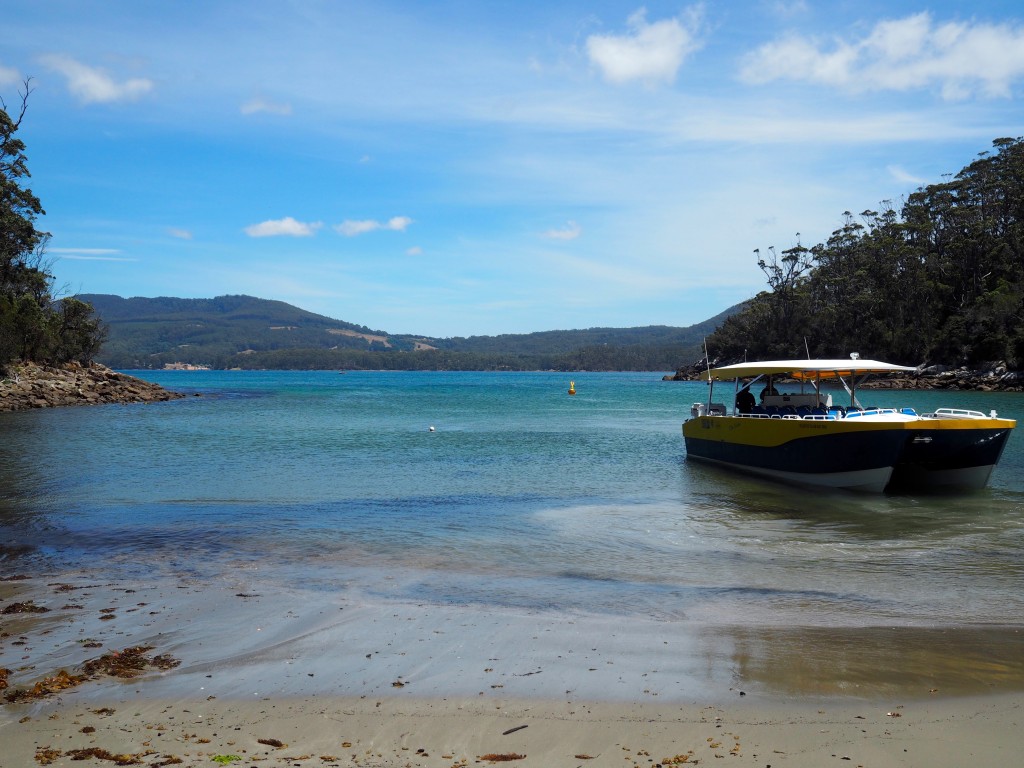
29 385
991 377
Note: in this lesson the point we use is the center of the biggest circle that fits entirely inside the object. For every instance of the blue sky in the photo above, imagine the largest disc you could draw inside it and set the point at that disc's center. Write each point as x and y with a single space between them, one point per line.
467 168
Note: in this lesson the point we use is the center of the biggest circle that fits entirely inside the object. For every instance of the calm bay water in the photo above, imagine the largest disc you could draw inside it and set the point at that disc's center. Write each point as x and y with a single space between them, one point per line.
523 497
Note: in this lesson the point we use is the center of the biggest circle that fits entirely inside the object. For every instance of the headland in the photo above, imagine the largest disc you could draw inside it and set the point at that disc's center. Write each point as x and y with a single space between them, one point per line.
31 385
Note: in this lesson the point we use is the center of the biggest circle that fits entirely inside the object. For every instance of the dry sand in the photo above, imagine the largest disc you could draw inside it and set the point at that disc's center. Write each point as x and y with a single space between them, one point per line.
401 731
337 680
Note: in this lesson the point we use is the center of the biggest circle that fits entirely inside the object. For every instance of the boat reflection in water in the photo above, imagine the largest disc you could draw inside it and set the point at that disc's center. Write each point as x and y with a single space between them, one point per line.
804 437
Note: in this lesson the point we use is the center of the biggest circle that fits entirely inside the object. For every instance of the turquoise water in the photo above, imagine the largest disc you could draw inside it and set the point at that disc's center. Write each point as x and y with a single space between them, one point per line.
521 498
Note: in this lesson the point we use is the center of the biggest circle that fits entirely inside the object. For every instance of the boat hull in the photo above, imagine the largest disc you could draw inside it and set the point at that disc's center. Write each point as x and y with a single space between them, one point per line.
848 455
948 454
874 453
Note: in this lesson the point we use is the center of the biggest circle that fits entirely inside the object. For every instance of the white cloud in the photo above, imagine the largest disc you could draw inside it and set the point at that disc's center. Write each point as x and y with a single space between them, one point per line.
649 52
961 59
350 228
90 254
793 8
902 176
181 234
570 232
414 251
254 106
92 85
9 76
286 226
88 251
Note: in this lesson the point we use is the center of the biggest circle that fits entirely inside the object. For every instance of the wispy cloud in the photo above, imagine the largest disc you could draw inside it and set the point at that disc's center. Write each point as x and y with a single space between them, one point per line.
91 85
181 234
570 231
793 8
350 228
414 251
287 227
902 176
962 59
651 52
90 254
9 76
257 105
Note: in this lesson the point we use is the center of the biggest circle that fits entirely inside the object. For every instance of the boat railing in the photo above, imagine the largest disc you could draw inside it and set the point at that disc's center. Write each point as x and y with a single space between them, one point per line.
790 416
871 412
955 413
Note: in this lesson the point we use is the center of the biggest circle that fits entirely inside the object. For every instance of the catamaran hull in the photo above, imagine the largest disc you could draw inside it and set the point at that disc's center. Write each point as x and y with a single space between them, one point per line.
949 455
867 480
832 454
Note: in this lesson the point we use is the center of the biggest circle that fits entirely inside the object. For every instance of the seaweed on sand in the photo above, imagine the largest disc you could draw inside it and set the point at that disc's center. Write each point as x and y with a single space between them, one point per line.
129 663
126 664
27 607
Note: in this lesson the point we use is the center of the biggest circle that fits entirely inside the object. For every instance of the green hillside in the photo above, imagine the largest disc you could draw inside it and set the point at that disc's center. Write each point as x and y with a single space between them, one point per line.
248 332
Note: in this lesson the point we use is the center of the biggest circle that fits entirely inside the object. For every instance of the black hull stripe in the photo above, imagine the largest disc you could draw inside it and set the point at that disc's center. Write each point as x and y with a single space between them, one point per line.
822 453
937 449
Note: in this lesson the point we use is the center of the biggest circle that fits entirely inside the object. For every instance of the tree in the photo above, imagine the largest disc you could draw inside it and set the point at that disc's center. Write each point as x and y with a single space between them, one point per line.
33 324
939 280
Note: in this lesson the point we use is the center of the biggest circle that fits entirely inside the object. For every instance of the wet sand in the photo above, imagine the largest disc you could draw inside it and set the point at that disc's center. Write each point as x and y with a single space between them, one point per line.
346 681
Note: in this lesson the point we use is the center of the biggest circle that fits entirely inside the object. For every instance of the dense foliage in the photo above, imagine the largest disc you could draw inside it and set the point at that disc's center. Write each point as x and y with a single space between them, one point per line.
248 332
34 324
939 281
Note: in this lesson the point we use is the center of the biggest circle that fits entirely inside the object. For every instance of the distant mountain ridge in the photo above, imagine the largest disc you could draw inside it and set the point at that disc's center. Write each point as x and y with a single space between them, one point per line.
248 332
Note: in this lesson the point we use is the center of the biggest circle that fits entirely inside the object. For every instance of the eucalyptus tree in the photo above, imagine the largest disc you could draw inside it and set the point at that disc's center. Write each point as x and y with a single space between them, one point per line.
33 324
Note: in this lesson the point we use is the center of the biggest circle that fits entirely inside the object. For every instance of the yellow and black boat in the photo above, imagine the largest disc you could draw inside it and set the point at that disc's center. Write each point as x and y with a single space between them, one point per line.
804 437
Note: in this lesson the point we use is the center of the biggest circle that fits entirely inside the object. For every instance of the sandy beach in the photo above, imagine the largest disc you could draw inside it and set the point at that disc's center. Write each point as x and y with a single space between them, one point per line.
407 731
328 680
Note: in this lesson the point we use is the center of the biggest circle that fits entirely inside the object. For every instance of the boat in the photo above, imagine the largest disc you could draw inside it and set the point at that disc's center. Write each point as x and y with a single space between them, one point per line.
807 437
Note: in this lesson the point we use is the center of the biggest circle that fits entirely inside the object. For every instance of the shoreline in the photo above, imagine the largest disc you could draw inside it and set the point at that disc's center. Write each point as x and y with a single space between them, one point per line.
250 636
426 685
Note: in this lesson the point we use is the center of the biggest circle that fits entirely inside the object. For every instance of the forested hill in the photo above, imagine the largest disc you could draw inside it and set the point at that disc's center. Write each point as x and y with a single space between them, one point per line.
248 332
937 280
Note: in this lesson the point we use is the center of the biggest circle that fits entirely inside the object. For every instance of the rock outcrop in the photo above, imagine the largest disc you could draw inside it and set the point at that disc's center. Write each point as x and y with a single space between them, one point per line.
29 385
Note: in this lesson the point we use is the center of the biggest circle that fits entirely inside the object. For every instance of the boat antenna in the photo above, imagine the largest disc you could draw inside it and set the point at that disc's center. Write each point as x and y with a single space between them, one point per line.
807 349
707 363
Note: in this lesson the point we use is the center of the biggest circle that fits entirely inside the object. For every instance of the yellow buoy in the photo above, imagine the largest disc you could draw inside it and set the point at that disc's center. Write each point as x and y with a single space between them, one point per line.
572 387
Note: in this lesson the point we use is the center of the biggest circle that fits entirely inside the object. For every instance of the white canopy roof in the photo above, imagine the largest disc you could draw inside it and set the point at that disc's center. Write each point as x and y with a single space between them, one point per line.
803 369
